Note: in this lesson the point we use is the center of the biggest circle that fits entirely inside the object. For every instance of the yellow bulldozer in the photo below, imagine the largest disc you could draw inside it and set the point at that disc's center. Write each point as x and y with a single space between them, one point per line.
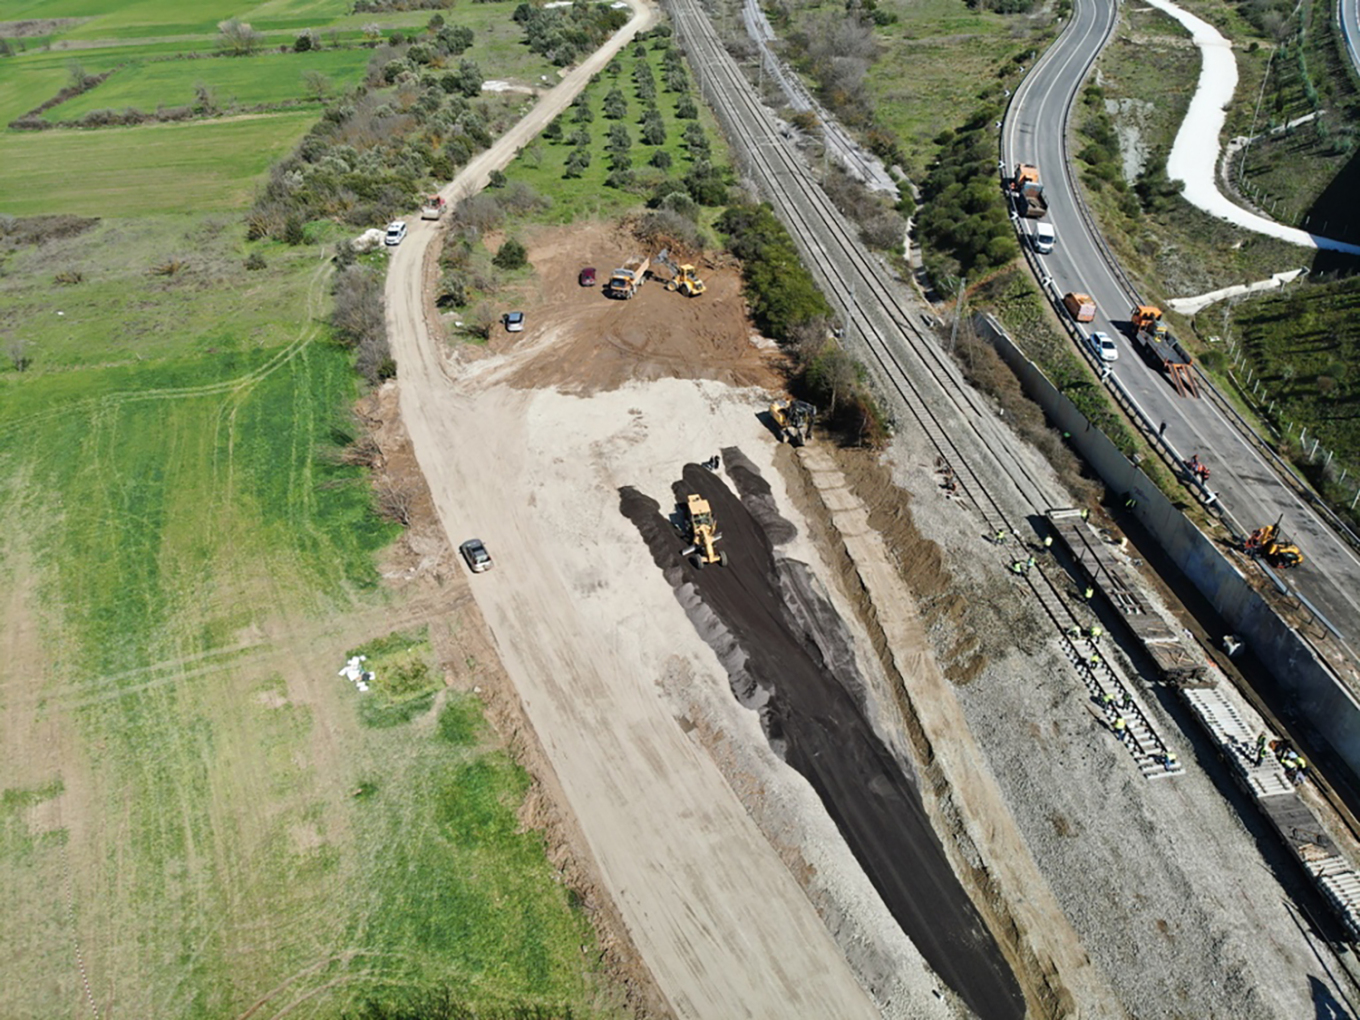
682 277
703 533
1265 543
794 419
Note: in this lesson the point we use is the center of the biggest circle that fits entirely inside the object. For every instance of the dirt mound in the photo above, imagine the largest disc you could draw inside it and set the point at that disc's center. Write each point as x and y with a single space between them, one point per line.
581 341
796 665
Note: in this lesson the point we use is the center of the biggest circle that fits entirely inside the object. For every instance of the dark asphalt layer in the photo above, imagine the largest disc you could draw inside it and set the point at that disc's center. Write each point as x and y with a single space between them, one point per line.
794 645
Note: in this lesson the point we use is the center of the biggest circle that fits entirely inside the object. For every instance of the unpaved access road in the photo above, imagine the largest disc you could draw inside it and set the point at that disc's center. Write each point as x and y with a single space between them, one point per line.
715 914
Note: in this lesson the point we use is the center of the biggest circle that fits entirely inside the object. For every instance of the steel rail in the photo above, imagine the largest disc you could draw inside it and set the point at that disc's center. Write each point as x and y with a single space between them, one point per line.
828 243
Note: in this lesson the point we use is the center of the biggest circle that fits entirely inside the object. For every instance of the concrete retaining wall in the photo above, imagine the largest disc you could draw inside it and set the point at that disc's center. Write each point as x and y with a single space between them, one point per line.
1315 693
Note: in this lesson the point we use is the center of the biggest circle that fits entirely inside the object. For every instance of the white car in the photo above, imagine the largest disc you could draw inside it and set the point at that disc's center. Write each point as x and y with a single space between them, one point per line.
396 230
1104 348
514 322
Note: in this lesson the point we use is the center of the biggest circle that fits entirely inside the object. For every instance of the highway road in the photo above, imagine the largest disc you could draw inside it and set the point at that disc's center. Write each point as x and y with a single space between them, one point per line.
1348 14
1248 486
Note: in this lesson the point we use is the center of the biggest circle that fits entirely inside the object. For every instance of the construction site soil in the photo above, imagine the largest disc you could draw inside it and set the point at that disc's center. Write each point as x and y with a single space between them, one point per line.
582 342
1107 895
790 658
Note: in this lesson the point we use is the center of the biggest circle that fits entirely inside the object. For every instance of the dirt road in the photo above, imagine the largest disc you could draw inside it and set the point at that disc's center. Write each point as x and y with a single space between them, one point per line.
584 628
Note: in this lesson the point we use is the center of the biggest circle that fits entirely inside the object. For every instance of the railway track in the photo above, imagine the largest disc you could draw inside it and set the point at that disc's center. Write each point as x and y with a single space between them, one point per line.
960 425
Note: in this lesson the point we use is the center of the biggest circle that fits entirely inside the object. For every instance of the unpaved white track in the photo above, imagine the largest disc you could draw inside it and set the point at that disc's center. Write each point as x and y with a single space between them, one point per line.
716 916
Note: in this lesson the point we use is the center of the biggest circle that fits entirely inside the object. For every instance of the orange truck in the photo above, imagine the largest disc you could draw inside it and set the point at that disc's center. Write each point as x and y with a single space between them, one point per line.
1027 192
1080 306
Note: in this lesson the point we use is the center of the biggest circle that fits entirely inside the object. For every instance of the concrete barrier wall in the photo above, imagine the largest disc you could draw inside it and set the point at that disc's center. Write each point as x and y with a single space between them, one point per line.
1314 691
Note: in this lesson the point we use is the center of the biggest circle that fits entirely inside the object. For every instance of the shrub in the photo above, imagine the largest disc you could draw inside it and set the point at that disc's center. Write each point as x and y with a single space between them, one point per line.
512 255
294 231
359 320
255 260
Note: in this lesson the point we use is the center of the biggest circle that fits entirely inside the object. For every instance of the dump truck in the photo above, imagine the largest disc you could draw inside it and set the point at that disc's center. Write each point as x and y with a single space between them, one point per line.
433 208
625 281
1080 306
682 277
1027 192
1162 349
794 419
703 533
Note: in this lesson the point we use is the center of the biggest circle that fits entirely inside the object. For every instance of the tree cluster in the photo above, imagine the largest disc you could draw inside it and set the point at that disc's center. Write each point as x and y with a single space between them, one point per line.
369 157
780 290
787 306
880 225
463 268
564 34
837 50
963 218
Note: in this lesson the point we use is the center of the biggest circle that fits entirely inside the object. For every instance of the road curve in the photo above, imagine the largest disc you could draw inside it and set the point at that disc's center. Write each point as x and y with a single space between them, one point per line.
715 914
1035 131
1348 16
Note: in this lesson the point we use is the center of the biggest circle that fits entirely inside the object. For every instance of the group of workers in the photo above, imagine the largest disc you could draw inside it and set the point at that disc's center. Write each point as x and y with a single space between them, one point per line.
1295 765
1112 706
1198 468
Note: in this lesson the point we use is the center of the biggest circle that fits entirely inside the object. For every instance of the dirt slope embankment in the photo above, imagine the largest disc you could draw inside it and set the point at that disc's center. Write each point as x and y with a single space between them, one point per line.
797 666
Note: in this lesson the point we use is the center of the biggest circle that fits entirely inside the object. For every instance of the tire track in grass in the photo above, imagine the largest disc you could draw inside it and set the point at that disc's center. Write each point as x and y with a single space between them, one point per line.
180 819
243 383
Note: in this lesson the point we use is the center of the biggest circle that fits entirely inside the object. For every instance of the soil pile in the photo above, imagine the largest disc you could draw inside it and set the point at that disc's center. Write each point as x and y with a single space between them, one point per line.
789 656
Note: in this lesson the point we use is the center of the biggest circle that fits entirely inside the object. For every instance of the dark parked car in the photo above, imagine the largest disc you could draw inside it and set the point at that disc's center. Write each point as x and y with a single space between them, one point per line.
588 276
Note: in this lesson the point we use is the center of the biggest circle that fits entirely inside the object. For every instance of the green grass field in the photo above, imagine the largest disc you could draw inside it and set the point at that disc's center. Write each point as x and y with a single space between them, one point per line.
934 63
198 818
235 81
208 165
121 312
186 570
147 18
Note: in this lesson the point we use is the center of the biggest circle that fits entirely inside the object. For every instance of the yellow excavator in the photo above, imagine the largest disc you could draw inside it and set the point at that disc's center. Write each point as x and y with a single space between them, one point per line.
682 277
1265 543
703 532
794 419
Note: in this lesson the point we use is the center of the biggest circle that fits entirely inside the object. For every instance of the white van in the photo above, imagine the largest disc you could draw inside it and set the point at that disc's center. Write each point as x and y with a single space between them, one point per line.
1044 238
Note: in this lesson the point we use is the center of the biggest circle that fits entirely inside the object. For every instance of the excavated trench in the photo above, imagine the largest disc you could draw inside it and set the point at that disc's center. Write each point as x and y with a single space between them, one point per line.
789 657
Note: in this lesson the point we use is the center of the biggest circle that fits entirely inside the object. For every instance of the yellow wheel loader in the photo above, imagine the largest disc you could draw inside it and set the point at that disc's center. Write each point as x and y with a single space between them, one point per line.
703 534
682 277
